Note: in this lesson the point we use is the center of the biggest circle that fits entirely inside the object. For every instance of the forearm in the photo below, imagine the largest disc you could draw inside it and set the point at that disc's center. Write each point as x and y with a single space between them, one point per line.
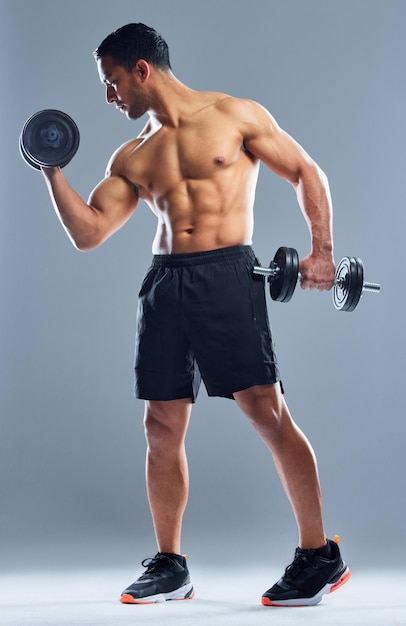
313 194
79 219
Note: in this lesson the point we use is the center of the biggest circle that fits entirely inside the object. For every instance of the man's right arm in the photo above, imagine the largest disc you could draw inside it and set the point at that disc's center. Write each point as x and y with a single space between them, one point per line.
88 225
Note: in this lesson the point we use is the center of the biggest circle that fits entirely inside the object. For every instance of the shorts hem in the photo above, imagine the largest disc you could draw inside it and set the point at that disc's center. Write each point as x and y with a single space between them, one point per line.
147 398
230 395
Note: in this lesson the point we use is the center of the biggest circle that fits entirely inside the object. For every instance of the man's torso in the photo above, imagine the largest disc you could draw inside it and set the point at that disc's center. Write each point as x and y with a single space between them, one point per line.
196 177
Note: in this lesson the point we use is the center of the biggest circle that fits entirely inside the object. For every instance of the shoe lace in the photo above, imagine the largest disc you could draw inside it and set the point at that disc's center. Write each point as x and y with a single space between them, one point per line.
153 565
299 563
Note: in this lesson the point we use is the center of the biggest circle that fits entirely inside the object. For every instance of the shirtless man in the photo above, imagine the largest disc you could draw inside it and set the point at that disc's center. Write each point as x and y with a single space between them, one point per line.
202 311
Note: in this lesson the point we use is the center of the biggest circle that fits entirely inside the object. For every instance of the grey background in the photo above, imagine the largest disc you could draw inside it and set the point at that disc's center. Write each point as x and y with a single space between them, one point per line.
71 445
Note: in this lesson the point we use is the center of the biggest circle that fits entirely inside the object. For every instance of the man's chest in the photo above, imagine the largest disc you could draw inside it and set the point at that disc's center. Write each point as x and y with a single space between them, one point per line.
192 152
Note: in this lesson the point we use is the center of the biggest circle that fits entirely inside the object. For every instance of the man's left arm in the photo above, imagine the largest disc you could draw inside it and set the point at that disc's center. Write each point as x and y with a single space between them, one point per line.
282 154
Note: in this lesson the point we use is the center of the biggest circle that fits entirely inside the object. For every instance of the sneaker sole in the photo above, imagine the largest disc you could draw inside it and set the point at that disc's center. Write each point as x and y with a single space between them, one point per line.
183 593
329 588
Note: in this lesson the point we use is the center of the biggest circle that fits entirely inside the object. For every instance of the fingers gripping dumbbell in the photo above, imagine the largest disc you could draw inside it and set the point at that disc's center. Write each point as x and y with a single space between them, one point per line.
283 275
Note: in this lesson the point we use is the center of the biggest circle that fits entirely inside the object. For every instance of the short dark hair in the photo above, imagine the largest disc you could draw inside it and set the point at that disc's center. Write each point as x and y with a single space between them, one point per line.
132 42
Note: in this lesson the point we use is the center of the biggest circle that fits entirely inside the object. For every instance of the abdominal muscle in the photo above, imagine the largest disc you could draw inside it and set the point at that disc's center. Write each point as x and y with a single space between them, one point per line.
202 216
198 238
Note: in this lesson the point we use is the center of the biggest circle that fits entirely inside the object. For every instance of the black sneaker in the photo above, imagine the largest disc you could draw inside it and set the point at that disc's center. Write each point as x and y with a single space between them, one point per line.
308 578
166 578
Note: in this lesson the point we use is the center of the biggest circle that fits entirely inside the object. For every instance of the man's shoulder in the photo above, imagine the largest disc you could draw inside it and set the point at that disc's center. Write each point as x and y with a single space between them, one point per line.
118 158
240 107
232 107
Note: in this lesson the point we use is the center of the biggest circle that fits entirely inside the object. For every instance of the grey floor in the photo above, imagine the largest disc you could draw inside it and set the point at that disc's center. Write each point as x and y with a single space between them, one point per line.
90 598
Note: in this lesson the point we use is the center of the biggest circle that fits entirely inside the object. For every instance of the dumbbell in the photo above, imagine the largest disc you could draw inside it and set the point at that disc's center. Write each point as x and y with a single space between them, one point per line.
283 275
49 138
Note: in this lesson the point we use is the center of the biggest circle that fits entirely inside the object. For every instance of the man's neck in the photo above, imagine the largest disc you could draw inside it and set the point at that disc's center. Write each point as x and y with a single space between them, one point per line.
171 100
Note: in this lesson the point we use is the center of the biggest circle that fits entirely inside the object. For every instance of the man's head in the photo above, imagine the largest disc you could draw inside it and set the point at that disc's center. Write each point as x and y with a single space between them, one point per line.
132 42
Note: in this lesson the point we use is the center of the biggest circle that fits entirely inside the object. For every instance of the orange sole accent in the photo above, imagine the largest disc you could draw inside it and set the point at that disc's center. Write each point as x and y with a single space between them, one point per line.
340 582
268 602
126 598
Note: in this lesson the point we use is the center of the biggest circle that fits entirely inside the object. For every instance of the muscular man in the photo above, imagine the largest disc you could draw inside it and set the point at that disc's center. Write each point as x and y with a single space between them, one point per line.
202 311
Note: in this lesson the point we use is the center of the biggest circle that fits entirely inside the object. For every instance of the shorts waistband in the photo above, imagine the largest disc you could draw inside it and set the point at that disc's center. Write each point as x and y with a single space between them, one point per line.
201 258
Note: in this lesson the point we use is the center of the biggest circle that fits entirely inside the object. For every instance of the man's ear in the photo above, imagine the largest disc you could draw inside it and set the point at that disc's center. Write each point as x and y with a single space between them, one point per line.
142 69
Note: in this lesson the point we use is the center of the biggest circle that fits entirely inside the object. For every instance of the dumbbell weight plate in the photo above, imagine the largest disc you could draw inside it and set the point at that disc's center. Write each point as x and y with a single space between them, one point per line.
348 284
283 285
26 156
49 138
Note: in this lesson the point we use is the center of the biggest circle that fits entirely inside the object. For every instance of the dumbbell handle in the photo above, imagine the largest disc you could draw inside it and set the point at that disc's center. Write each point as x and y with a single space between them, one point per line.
371 287
273 272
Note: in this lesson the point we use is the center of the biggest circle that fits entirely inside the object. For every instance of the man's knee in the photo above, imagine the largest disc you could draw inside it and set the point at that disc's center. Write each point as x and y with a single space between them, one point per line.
262 402
166 422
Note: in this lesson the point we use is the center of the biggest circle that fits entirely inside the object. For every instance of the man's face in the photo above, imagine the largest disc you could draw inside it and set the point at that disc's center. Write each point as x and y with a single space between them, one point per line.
123 88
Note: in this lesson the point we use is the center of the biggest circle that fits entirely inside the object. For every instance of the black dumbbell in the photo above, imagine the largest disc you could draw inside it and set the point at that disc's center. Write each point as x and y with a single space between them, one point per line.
283 275
49 138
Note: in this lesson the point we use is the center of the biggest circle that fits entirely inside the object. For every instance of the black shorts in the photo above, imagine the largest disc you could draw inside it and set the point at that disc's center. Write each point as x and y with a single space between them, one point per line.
203 316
